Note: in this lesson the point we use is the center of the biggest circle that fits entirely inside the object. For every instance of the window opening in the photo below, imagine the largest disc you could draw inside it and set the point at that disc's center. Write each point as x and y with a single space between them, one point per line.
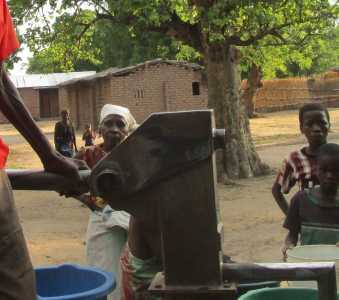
195 88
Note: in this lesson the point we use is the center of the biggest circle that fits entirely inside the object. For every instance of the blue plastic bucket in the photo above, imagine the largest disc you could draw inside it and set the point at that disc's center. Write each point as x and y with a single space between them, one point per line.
73 282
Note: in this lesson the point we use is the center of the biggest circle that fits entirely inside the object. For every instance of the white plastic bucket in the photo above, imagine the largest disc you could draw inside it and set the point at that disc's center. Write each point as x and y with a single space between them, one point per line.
313 253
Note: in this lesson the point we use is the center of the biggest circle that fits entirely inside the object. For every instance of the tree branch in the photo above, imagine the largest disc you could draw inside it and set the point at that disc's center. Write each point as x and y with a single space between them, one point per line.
86 27
265 30
179 30
298 43
202 3
106 11
236 40
174 27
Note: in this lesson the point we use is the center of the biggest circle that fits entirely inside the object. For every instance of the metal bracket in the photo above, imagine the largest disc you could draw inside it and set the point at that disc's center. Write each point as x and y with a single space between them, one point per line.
159 288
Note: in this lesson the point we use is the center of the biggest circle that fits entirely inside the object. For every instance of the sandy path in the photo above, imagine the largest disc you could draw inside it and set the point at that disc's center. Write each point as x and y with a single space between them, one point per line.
55 227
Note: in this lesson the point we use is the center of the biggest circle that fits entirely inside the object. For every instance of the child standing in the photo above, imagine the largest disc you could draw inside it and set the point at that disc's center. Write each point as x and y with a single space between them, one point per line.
313 217
299 167
88 136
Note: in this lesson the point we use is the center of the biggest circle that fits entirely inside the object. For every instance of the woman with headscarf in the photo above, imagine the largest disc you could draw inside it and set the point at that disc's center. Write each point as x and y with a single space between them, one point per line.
107 228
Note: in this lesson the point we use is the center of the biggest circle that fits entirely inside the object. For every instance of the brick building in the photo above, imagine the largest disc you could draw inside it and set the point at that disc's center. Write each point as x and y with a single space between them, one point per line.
40 92
153 86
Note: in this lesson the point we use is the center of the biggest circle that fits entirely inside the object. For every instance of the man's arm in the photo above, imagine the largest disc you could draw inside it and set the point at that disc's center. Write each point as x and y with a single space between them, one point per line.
15 111
290 242
279 197
284 182
57 136
292 223
13 108
74 139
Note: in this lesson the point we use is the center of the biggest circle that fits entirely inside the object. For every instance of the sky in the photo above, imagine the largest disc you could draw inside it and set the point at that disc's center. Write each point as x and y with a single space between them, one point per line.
21 66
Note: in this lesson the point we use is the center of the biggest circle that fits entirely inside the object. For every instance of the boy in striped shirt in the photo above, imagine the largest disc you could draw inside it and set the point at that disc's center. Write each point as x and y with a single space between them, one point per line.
300 166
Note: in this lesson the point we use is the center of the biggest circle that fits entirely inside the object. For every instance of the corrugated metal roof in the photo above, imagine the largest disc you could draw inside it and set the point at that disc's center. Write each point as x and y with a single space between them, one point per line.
46 80
91 77
131 69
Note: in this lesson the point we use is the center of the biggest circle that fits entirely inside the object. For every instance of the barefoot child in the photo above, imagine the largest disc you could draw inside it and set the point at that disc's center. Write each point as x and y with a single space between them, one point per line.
88 136
313 217
299 166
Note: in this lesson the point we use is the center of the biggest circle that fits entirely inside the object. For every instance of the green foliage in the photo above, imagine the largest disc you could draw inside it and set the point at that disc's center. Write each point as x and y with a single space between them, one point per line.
316 55
99 34
100 47
120 47
187 53
14 58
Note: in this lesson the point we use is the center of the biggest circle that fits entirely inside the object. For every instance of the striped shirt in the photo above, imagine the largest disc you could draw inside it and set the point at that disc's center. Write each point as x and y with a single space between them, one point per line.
298 168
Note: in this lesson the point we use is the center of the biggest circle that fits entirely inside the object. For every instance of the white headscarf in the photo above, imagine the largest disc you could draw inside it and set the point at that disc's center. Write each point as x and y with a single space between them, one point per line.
110 109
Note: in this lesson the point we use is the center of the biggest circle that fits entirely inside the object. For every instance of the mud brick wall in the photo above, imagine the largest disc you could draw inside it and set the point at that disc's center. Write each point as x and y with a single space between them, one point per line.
30 97
149 89
282 94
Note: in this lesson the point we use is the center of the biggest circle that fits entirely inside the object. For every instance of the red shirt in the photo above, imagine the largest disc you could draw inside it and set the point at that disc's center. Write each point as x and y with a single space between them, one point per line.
91 155
8 40
8 43
3 154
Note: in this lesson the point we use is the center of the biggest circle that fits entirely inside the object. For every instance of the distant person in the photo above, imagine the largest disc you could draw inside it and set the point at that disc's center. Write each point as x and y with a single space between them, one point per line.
107 228
64 136
300 166
88 136
313 216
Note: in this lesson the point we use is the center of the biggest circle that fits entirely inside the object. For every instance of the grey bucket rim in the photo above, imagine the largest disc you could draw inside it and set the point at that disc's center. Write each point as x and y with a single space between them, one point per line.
254 292
289 254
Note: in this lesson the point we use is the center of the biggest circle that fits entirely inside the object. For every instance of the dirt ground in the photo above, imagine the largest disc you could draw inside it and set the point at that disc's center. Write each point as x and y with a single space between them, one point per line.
55 227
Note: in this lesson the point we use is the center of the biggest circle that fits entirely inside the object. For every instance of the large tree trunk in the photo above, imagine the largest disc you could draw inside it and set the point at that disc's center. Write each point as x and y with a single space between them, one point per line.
239 160
252 85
